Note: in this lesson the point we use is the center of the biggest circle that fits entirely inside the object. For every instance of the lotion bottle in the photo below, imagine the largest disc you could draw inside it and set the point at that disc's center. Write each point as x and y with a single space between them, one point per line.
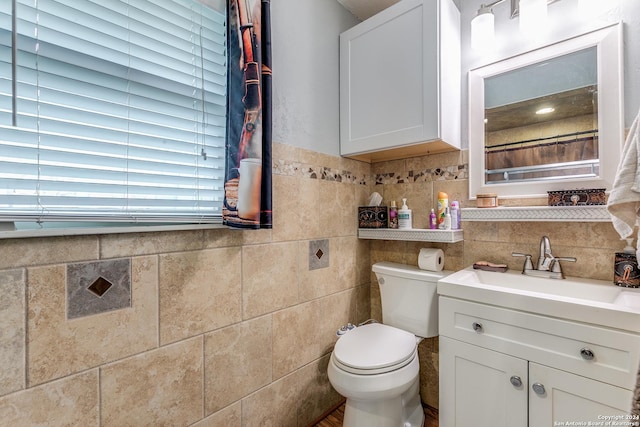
404 217
447 219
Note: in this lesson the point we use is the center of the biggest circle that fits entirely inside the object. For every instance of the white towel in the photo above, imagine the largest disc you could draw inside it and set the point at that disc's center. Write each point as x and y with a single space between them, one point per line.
635 403
624 198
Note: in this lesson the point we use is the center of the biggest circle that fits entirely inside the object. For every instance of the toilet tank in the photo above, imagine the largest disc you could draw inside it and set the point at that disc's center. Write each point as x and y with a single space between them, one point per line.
409 298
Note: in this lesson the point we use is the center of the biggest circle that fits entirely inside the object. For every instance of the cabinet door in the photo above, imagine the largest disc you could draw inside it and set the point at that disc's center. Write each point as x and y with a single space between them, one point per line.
477 387
389 79
560 398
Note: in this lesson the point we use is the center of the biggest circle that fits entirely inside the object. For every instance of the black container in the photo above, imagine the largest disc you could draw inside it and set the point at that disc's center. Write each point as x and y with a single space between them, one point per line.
373 217
626 272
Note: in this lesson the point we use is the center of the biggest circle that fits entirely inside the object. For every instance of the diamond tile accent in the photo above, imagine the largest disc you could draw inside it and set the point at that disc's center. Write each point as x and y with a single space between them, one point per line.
97 287
100 286
318 254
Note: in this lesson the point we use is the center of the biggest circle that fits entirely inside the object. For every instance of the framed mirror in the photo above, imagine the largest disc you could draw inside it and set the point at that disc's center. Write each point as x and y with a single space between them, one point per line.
549 119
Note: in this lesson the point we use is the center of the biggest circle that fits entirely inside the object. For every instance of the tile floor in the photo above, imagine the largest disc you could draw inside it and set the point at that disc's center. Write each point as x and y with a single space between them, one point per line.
335 417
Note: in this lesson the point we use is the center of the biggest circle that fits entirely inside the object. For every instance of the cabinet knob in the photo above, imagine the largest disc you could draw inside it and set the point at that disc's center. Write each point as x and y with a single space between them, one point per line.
477 327
516 381
538 389
587 353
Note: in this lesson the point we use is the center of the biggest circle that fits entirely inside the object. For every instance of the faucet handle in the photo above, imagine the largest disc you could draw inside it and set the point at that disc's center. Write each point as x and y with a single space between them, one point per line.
557 268
528 264
519 254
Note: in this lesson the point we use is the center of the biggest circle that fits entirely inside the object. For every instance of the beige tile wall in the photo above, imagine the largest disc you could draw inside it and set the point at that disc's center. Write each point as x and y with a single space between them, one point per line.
230 327
594 244
226 328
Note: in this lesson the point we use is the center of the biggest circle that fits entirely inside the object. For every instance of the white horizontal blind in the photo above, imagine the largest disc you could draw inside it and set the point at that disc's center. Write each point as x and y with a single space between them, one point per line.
121 111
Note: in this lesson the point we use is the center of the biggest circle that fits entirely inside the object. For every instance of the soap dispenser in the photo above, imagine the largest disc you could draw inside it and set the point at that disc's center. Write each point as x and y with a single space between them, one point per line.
625 269
405 221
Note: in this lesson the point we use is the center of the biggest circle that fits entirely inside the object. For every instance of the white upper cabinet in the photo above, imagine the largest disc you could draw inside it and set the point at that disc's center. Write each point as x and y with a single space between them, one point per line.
400 82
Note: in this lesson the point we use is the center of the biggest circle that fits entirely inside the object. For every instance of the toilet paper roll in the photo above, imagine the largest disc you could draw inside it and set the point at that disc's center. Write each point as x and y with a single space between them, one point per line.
431 259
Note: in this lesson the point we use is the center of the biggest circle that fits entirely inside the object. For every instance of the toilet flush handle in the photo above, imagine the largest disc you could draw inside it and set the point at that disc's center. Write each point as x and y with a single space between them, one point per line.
344 329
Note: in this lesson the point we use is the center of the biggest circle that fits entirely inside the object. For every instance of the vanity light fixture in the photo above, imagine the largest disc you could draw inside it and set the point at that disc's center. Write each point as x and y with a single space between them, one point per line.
483 36
533 21
592 9
533 17
482 27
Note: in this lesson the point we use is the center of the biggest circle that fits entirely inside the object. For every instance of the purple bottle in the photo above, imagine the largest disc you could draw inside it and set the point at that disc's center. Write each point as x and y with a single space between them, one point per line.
393 215
433 220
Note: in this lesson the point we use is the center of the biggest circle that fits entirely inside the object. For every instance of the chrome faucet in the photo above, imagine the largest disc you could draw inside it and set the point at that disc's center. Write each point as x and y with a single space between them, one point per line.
548 265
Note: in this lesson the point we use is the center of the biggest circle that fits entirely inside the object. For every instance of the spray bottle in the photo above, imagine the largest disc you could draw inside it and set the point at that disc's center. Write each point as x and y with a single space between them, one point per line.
454 209
443 203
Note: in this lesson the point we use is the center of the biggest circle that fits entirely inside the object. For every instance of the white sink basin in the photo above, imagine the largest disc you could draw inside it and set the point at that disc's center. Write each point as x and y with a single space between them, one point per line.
516 281
593 301
629 299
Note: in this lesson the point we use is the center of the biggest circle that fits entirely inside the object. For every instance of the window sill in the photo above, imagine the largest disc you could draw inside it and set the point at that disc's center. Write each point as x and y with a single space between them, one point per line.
82 231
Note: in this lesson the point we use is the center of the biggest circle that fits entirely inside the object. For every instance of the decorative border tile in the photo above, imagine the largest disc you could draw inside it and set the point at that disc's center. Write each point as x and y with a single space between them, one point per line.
290 168
286 168
293 168
453 172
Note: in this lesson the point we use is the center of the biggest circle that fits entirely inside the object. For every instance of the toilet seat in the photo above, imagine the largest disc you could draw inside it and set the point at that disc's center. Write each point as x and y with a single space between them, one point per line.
374 349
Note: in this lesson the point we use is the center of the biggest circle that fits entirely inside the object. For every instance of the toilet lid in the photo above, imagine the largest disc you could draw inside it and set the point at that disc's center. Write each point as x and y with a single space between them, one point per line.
375 347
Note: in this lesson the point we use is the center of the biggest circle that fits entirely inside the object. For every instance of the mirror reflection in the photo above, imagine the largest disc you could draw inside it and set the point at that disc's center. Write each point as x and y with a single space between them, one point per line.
541 120
516 153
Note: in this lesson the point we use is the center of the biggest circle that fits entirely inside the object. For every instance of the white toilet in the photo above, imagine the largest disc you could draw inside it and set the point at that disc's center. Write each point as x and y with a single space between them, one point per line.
375 366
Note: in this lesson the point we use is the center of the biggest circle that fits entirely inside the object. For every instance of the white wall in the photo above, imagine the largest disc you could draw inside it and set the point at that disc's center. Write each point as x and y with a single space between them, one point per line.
306 60
565 22
305 53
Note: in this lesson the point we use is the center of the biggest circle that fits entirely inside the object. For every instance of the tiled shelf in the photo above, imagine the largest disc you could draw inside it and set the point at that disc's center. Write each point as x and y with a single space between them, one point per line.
413 235
596 213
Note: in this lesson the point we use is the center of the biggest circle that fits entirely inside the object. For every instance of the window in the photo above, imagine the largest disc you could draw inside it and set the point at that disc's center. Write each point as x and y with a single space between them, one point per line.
112 111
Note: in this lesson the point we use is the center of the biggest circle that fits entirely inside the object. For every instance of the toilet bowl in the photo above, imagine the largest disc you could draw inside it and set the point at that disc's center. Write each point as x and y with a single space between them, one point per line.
376 366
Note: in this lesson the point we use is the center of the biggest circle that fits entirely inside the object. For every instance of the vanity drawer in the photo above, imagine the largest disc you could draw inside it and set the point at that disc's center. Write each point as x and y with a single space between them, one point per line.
604 354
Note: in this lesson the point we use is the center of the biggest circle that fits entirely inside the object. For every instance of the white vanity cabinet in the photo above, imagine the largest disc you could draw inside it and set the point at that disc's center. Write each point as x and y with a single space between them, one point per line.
475 388
569 397
400 82
504 367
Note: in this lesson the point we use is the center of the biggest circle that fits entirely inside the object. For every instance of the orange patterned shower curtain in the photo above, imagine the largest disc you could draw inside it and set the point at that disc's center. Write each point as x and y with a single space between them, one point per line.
247 200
